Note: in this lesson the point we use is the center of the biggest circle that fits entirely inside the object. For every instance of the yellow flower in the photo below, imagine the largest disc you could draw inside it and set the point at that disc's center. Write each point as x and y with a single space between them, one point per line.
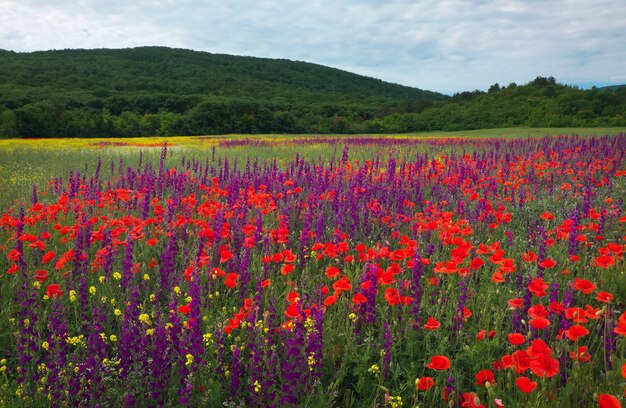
117 312
144 318
257 386
72 295
92 290
152 297
189 359
45 345
101 279
117 275
146 277
113 338
177 290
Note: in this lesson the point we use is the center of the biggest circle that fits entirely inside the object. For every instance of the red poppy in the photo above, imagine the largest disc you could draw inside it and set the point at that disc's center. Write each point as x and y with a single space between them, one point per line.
48 256
624 370
392 296
538 287
476 263
14 255
225 255
485 376
342 284
440 363
358 299
184 309
292 311
544 366
41 275
576 314
265 283
604 261
548 263
608 401
576 331
520 360
231 280
525 385
287 269
584 285
539 348
330 300
471 400
333 272
537 311
425 383
529 256
539 323
604 297
547 216
54 290
432 324
516 339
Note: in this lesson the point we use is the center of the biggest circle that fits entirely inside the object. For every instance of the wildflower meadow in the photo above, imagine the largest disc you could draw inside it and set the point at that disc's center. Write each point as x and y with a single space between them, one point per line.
349 272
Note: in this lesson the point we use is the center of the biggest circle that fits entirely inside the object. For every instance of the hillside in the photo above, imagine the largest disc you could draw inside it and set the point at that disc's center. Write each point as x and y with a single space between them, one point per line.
164 91
211 93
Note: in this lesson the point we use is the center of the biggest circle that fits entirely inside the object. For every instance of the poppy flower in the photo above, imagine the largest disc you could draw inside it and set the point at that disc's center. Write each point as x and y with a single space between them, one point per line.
41 275
48 256
330 300
516 339
392 296
539 323
544 366
14 255
608 401
231 280
342 284
538 287
525 385
539 348
624 370
53 290
287 269
432 324
425 383
225 255
484 376
292 311
576 314
529 256
576 331
440 363
583 285
548 263
604 261
604 297
520 360
265 283
184 309
471 400
333 272
476 263
358 299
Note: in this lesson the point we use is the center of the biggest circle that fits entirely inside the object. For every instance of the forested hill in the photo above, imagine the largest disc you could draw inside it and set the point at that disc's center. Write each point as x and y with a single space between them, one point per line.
164 91
127 91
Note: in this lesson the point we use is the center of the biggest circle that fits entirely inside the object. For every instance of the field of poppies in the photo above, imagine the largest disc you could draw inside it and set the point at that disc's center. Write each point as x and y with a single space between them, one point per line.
349 272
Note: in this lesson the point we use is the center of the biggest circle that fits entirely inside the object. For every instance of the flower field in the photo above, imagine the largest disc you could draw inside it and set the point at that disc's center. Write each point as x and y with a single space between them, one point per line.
349 272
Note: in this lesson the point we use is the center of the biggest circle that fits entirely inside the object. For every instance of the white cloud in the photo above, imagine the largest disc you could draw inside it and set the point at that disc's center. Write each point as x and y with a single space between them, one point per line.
442 45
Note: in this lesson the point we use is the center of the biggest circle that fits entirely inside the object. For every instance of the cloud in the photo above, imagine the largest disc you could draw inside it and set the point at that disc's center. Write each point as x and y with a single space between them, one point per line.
442 45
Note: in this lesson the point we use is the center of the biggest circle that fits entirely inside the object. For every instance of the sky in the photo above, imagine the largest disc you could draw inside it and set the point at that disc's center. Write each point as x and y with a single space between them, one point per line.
446 46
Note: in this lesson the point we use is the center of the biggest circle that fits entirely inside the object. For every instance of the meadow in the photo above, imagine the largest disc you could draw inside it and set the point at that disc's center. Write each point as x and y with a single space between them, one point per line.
482 268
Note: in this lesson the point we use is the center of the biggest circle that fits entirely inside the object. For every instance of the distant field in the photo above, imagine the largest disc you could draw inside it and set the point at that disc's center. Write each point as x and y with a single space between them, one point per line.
28 162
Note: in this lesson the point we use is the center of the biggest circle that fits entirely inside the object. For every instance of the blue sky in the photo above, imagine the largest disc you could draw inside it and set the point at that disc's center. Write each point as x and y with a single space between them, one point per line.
441 45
